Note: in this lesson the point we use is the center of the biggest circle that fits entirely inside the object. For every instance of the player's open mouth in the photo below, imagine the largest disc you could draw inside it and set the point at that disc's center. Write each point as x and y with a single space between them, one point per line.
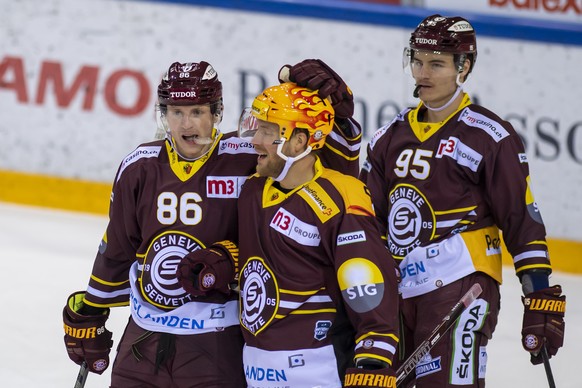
197 139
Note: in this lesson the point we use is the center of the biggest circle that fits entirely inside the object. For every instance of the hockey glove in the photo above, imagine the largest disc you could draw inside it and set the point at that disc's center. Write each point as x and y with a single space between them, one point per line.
86 337
370 373
316 75
543 322
213 268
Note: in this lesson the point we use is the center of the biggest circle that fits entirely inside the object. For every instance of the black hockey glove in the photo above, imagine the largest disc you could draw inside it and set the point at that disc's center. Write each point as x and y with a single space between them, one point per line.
543 322
213 268
370 373
86 337
317 75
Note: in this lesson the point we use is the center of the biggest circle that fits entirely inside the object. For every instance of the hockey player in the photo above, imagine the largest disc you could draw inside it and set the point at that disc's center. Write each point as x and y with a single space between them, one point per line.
171 197
445 177
317 286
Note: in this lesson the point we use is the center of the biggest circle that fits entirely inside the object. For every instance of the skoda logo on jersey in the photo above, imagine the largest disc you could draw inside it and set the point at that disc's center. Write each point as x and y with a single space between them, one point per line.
259 295
159 284
411 220
361 284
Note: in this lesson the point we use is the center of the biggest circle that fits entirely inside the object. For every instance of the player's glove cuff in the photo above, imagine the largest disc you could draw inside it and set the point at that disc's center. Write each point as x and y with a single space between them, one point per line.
543 321
86 337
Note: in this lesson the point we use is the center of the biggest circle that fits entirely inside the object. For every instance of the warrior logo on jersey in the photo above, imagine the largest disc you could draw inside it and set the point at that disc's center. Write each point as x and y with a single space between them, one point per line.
361 284
411 220
259 295
159 284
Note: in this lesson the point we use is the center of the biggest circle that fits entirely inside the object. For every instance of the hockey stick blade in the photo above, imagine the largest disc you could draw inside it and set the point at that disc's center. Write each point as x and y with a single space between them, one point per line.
547 366
448 321
82 375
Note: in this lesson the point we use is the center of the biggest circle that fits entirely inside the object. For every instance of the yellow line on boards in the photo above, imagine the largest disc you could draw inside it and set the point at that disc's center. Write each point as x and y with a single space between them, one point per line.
93 197
54 192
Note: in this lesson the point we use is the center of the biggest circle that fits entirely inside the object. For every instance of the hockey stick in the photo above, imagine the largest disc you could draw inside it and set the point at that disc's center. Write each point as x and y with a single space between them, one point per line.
82 376
448 321
547 366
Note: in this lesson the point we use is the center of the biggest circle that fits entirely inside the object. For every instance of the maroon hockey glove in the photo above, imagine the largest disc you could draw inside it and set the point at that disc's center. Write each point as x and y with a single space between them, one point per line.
543 322
86 337
317 75
213 268
366 378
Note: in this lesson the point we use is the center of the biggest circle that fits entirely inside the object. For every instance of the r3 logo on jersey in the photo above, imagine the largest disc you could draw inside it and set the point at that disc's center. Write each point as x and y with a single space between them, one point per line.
159 284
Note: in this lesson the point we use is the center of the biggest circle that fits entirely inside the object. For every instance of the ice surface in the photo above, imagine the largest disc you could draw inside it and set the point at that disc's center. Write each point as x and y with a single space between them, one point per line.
47 254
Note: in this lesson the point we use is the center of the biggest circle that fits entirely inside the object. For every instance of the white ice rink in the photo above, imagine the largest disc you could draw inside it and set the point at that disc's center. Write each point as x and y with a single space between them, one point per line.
47 254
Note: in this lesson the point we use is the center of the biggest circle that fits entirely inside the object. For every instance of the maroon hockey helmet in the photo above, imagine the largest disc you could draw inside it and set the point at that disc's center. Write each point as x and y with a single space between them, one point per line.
190 83
446 34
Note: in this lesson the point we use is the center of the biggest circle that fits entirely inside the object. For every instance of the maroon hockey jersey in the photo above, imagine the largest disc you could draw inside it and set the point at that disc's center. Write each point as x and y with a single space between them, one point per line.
442 190
161 209
317 284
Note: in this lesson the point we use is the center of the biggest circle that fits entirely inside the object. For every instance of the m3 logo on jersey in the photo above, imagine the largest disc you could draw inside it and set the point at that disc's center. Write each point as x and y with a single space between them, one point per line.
411 220
361 284
159 284
224 186
286 223
259 295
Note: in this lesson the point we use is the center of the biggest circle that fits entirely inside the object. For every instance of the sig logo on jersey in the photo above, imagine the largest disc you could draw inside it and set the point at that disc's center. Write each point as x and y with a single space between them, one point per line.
159 284
224 186
532 206
411 220
259 295
361 284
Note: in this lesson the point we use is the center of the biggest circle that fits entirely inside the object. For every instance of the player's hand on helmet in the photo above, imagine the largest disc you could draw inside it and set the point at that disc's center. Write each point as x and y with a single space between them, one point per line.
543 322
86 337
370 373
210 269
317 75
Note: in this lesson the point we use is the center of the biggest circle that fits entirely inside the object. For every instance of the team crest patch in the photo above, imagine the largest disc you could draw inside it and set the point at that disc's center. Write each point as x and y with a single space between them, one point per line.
259 295
159 284
321 329
411 220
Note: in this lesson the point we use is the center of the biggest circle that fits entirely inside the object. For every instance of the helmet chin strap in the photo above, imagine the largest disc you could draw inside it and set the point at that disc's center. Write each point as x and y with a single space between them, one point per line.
457 92
288 160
